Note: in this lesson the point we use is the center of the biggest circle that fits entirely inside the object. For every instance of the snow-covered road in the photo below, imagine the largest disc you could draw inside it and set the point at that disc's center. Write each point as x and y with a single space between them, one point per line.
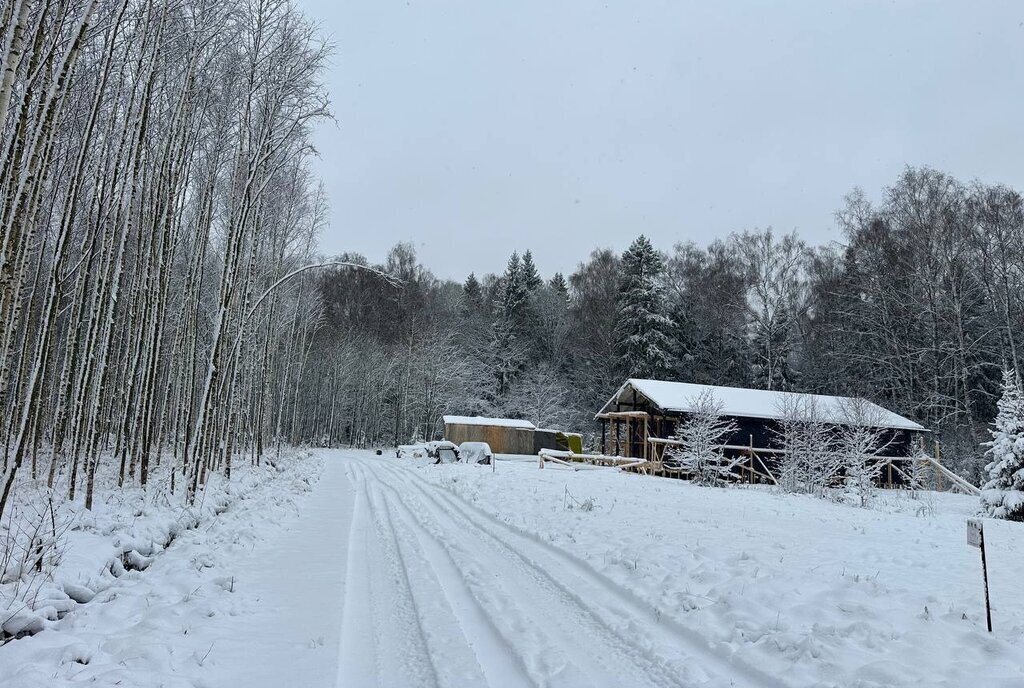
342 569
399 582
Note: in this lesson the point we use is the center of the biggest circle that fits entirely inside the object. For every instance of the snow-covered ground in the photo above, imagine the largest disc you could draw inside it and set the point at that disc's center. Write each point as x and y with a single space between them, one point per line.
162 621
810 592
397 572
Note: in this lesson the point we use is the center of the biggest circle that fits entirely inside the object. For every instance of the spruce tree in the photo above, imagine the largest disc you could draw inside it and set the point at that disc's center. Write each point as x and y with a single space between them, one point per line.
1003 495
472 294
508 344
641 324
513 292
557 282
531 278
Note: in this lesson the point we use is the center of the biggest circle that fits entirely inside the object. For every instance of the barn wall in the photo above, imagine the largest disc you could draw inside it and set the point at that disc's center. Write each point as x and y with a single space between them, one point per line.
502 440
544 439
763 433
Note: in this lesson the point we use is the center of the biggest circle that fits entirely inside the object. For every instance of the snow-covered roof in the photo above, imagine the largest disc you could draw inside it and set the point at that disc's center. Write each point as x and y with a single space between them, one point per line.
746 403
482 420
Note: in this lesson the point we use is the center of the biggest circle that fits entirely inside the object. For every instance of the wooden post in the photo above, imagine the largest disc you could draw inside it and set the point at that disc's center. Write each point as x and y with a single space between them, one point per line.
938 474
647 431
751 436
629 438
916 466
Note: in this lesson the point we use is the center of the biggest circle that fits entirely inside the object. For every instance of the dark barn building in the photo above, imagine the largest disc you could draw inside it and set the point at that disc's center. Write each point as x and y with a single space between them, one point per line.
640 418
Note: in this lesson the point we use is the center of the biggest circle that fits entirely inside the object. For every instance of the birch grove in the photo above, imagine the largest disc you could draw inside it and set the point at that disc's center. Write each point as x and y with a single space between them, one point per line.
155 183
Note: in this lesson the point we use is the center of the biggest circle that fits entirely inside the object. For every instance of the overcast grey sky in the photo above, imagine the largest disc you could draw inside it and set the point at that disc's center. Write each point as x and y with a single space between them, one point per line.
474 128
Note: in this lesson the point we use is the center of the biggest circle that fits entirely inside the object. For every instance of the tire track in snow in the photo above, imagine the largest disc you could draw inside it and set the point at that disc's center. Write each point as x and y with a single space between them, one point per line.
357 657
614 607
452 656
497 662
383 642
400 635
537 612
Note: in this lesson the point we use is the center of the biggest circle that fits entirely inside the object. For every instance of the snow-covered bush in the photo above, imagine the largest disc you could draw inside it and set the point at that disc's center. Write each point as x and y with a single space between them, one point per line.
860 442
700 437
809 462
1003 495
56 554
32 543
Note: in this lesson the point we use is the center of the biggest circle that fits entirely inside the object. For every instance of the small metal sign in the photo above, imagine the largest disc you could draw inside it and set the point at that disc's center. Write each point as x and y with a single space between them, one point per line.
976 538
974 532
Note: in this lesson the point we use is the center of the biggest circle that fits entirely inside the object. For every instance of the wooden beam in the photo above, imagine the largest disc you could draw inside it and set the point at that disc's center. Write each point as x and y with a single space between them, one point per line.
953 477
623 414
568 458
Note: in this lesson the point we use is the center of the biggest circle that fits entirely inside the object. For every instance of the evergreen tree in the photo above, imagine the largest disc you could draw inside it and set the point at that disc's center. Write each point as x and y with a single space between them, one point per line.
641 325
508 342
531 279
514 292
1003 495
558 284
686 341
472 293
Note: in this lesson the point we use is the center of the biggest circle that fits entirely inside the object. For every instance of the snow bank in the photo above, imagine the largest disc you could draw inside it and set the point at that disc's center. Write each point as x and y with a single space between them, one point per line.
137 573
812 592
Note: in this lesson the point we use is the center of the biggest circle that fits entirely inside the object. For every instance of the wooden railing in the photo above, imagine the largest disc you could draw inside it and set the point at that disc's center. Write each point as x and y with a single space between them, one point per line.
656 459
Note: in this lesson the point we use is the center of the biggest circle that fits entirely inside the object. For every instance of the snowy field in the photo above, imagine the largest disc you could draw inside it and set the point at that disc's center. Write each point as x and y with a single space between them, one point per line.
809 592
400 573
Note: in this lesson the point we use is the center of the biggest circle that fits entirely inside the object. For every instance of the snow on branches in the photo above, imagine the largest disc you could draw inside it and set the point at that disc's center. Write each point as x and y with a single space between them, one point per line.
809 464
701 436
860 441
1003 495
641 325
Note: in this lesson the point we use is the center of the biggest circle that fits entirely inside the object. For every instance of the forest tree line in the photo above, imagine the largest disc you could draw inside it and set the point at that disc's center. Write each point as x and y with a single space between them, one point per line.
156 200
155 184
918 308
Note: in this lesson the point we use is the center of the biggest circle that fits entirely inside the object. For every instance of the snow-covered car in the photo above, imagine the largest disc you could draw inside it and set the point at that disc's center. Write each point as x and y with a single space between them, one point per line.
435 447
446 452
476 452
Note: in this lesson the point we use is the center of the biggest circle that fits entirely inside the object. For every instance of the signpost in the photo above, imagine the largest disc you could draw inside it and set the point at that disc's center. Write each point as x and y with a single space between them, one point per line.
976 538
